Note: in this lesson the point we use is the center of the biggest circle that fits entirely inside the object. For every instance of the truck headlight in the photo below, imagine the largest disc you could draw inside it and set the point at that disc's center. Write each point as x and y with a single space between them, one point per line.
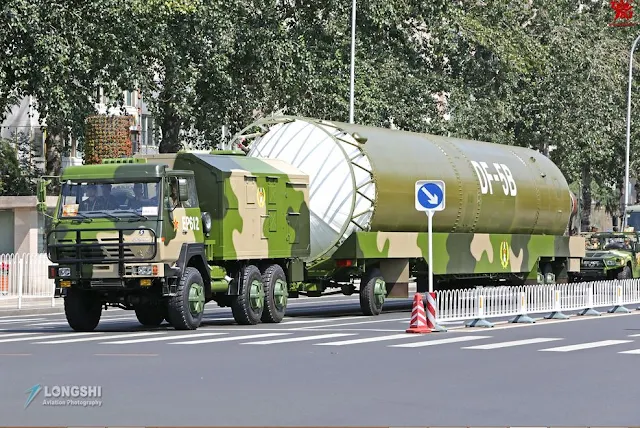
145 270
64 272
613 262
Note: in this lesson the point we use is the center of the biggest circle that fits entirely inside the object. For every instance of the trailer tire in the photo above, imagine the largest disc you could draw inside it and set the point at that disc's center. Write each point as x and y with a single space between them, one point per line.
248 306
186 308
151 314
276 293
372 293
83 309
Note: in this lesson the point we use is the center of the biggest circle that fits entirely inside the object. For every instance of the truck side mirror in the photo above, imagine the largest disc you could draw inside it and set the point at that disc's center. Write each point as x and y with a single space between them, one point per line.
183 190
42 195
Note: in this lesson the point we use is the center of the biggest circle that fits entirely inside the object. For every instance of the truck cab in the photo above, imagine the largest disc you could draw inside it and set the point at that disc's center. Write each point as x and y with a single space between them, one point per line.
115 231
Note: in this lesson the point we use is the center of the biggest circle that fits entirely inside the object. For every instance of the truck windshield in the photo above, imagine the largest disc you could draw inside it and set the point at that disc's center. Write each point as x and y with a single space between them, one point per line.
633 220
90 199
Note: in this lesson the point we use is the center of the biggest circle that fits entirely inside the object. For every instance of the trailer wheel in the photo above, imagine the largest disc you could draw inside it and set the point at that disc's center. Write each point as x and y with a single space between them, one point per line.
83 309
247 307
186 308
151 314
276 294
372 293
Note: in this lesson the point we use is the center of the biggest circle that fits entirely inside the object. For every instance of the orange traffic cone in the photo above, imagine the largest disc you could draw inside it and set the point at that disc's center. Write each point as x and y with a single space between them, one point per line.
418 317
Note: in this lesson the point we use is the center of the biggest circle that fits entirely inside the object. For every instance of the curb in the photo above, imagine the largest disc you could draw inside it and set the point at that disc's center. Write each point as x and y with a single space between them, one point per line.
32 311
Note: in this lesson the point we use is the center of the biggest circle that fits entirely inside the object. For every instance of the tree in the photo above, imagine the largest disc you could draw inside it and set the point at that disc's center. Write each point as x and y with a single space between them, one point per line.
18 171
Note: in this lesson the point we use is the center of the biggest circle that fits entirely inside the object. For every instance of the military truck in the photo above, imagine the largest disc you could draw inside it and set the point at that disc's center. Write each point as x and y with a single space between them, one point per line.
610 255
165 238
307 207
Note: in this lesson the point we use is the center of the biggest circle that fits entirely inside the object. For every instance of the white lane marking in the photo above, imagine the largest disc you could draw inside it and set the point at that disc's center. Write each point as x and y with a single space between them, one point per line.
226 339
15 334
634 335
315 321
18 320
156 339
367 340
353 323
299 339
119 319
633 351
102 336
587 345
38 316
512 343
46 336
439 341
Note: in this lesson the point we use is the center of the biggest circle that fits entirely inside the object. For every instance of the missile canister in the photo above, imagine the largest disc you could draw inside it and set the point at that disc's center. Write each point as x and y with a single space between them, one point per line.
363 178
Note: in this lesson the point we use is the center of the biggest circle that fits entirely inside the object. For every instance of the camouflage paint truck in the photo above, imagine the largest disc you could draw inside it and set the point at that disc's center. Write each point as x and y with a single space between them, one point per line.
163 236
308 207
610 255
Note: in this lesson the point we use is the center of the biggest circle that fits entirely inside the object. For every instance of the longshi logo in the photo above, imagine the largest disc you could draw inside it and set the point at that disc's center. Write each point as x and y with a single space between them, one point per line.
504 254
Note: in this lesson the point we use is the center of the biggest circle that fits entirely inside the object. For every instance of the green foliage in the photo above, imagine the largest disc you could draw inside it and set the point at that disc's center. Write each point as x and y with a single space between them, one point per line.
18 169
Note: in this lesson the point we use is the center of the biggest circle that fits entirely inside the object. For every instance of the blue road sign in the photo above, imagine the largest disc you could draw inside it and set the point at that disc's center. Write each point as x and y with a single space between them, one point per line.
430 195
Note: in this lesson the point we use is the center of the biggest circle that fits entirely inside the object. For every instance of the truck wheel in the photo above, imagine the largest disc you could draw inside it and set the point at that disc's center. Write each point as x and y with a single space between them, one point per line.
276 293
372 293
83 309
247 307
151 315
625 273
186 308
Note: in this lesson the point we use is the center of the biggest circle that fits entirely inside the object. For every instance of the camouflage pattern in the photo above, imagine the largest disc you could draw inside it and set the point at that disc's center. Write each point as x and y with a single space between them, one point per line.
607 255
259 207
93 263
465 253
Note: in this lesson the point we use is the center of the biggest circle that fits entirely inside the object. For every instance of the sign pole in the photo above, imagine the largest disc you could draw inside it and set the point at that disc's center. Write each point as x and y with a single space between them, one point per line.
430 233
430 197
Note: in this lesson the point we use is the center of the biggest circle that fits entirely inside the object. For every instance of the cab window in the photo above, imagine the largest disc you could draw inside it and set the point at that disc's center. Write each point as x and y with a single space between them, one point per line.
172 193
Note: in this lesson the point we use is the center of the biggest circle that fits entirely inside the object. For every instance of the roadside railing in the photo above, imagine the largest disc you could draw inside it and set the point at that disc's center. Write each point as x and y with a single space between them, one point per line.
477 305
24 280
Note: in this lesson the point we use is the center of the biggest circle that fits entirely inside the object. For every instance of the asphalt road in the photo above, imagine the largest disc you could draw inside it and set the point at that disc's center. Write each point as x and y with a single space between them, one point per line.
325 365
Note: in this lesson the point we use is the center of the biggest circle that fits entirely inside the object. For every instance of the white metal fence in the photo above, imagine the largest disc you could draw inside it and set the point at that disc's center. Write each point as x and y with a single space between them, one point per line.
24 281
477 304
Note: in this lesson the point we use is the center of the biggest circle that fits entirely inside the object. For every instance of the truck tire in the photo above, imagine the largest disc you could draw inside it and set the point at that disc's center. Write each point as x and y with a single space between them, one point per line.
186 308
247 307
83 309
372 293
151 314
276 293
625 273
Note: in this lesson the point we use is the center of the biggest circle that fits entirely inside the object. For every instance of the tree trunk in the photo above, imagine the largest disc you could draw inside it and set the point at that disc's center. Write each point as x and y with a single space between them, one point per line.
171 122
170 129
54 143
586 199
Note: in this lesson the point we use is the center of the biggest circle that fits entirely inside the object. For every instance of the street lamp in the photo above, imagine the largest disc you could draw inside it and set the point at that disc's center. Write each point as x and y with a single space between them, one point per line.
626 174
353 58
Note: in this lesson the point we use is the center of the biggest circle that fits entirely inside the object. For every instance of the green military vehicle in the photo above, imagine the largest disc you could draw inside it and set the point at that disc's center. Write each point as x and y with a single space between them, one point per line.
610 255
307 207
196 228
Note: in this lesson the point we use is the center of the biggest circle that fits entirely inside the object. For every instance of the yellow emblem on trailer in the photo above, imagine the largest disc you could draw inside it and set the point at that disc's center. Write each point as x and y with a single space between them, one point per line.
504 254
261 196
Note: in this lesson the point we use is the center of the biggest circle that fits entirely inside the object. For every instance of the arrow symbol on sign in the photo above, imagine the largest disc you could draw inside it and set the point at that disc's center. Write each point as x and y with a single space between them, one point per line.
432 198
